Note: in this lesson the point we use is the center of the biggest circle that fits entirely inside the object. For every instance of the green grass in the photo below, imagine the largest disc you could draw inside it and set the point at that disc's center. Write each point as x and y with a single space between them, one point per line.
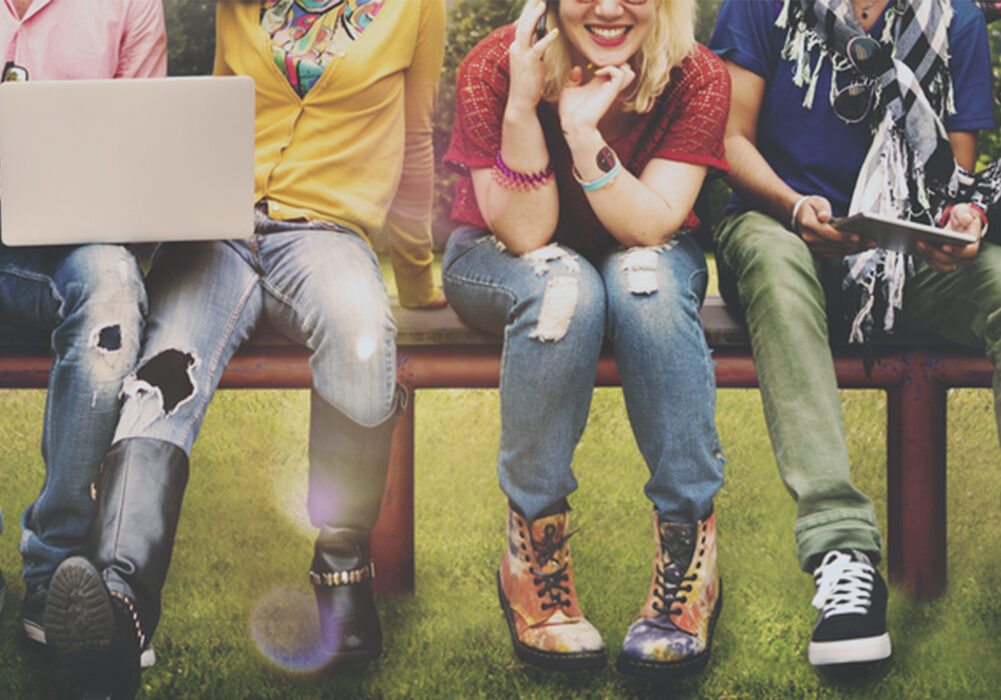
243 550
244 547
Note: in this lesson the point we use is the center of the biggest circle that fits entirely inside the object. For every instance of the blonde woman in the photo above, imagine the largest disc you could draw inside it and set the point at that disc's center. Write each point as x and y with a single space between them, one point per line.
583 139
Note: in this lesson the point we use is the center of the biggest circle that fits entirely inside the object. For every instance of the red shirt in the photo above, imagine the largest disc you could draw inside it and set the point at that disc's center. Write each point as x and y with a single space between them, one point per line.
687 124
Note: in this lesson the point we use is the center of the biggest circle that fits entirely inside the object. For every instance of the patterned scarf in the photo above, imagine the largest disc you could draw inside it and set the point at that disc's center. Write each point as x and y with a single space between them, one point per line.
909 169
306 34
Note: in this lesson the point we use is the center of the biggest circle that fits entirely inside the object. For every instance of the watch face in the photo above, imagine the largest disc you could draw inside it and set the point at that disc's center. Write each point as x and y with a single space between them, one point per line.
606 159
13 73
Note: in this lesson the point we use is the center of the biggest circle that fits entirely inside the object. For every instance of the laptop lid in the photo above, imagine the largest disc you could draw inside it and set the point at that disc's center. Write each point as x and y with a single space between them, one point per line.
120 161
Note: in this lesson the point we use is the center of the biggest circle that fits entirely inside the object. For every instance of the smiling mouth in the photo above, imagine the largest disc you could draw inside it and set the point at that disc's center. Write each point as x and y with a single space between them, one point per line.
608 36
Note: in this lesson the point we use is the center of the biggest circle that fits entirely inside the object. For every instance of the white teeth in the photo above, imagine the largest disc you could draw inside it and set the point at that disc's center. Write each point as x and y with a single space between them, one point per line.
607 32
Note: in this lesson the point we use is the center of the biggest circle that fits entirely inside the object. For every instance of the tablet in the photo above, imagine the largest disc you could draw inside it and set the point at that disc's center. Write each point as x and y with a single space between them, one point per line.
899 235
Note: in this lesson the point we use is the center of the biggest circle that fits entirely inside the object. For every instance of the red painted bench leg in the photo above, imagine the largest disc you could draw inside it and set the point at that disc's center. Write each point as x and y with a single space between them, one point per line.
916 480
393 536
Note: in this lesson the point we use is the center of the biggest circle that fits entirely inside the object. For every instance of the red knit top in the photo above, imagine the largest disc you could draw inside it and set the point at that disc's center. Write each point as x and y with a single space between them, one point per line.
686 124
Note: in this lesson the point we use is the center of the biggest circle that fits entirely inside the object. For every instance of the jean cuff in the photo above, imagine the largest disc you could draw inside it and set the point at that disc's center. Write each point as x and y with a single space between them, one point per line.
843 528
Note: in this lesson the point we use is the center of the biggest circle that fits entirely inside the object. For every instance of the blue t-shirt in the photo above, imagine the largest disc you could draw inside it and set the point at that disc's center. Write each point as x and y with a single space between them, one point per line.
813 150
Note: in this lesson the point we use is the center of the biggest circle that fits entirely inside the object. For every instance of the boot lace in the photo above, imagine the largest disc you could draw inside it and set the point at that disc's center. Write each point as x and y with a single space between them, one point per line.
844 584
678 547
671 582
551 584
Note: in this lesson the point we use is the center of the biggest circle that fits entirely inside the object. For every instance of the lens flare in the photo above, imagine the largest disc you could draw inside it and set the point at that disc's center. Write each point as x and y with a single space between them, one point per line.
286 630
365 347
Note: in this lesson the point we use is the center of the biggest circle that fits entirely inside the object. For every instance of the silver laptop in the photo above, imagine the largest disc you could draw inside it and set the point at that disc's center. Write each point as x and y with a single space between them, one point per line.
124 161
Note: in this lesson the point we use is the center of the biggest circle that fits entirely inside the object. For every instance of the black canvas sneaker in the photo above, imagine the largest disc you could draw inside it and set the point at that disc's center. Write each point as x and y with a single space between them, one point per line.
851 597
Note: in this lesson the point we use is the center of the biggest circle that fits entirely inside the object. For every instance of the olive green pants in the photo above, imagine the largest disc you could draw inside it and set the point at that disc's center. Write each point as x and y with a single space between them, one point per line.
768 275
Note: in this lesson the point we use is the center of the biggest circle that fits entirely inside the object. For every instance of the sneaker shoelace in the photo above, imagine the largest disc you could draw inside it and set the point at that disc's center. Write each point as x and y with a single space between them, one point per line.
844 585
551 584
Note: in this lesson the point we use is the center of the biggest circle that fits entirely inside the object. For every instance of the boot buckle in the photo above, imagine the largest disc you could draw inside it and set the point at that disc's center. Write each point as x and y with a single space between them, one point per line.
343 578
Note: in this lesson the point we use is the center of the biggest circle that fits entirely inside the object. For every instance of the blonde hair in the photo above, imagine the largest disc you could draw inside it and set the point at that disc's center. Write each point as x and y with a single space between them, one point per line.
670 42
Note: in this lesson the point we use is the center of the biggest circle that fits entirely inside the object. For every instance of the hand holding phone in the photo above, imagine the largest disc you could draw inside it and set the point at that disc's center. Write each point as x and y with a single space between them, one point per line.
540 27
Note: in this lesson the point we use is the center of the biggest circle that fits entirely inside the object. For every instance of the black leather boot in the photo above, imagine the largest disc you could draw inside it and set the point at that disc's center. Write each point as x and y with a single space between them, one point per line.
347 477
342 576
102 610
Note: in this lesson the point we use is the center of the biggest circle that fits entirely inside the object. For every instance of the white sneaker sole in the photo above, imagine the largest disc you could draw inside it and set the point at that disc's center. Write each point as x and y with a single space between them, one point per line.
33 631
850 651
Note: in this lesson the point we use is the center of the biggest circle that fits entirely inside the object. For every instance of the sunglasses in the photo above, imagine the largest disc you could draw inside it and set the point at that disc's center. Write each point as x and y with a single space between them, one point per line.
870 59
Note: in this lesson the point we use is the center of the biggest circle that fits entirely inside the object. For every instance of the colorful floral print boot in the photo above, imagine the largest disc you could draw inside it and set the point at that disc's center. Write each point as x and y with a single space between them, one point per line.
673 635
535 585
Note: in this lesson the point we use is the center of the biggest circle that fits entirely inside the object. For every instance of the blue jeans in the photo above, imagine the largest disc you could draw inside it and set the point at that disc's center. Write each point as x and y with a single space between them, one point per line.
91 300
321 288
554 309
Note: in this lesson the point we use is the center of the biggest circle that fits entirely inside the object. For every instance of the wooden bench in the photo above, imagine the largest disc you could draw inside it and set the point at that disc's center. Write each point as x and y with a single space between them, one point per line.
435 350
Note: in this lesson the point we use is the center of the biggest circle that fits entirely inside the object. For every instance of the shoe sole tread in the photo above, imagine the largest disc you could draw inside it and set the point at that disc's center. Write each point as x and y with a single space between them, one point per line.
79 619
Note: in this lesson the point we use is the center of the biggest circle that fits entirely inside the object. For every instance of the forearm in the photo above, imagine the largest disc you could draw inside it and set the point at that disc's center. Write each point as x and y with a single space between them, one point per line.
525 218
633 212
753 178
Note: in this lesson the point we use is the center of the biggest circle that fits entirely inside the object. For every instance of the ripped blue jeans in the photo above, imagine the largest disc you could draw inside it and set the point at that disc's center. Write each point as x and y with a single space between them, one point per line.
321 288
555 308
90 301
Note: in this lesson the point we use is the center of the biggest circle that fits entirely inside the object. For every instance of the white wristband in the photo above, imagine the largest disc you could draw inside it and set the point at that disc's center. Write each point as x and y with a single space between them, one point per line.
795 211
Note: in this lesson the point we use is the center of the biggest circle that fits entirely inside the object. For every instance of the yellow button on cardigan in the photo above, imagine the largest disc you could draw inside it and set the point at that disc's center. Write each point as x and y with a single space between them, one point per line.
357 148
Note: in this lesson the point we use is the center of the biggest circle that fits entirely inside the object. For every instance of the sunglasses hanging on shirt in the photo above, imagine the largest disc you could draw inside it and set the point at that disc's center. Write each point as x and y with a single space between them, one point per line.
870 59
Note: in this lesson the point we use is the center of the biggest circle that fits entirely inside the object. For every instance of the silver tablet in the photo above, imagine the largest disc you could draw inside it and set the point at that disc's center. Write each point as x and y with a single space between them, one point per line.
899 235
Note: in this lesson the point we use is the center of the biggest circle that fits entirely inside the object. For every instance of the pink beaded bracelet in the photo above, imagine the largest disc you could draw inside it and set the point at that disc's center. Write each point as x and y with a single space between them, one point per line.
513 180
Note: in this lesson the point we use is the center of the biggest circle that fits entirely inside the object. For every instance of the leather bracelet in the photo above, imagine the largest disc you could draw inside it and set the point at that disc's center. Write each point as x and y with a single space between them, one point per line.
795 211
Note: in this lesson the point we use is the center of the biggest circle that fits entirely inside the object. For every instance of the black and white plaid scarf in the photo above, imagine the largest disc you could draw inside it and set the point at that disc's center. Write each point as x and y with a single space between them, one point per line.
909 169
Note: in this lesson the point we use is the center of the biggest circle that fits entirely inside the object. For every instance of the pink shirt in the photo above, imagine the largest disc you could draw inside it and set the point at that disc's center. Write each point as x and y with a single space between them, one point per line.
68 39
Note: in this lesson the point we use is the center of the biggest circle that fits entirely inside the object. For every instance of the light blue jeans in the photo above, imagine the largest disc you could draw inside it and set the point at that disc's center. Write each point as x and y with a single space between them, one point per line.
554 309
90 300
321 288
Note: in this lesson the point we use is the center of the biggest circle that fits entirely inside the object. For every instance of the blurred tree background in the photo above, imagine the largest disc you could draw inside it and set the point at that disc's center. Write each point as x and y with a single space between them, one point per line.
191 42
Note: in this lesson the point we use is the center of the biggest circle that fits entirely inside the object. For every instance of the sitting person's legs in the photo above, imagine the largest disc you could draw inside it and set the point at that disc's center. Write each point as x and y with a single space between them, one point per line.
204 301
668 381
325 290
320 287
91 298
768 274
549 305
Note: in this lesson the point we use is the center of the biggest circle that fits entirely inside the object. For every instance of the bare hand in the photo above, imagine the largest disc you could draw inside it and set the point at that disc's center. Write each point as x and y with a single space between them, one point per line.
582 105
527 71
949 258
823 239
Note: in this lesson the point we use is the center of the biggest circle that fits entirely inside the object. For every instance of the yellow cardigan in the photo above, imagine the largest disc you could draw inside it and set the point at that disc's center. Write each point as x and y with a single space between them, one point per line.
357 148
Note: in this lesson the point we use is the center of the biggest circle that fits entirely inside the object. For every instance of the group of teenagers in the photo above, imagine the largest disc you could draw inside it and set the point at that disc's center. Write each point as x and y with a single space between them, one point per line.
583 134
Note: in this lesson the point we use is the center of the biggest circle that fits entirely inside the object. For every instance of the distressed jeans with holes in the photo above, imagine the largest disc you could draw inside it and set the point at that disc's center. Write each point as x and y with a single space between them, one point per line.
91 301
554 309
321 288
